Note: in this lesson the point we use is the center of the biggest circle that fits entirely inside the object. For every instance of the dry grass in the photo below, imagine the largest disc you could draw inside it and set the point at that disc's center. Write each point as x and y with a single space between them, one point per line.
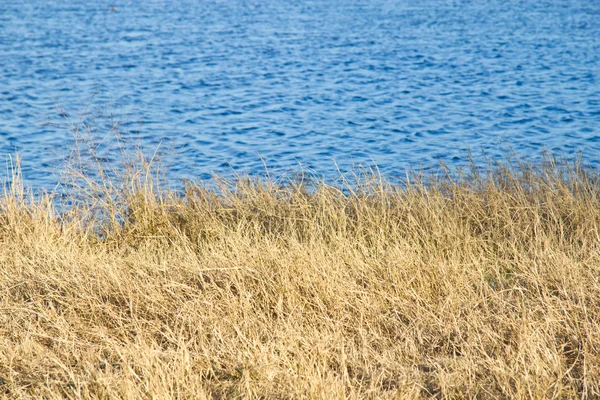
478 287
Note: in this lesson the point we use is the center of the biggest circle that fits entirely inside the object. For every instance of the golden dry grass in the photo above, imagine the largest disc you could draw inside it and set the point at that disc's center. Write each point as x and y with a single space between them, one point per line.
475 287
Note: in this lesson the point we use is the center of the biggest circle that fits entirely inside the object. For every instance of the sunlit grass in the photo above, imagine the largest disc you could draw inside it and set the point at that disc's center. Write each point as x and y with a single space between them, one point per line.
466 286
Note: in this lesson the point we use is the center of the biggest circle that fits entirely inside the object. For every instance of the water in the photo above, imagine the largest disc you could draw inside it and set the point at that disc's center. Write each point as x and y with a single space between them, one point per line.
231 86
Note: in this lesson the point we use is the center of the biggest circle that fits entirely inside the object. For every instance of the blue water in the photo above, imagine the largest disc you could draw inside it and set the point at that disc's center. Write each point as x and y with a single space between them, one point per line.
231 86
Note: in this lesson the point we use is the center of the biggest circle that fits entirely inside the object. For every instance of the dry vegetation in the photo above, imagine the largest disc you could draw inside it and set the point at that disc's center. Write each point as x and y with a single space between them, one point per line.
473 287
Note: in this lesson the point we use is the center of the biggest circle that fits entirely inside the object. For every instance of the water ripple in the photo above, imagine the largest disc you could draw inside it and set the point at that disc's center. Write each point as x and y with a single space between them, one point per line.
229 86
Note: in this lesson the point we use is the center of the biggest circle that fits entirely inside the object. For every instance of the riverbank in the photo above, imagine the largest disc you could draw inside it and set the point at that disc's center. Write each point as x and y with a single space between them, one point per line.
483 286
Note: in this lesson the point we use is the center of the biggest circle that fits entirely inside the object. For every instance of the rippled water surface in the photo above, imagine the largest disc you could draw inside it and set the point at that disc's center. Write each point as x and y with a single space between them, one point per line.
236 85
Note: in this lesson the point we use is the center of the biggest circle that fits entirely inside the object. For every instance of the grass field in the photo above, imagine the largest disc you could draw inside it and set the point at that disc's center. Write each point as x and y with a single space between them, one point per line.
472 286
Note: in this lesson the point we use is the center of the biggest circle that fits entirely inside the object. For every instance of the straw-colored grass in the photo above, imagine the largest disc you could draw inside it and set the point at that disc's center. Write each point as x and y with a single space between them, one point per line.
473 287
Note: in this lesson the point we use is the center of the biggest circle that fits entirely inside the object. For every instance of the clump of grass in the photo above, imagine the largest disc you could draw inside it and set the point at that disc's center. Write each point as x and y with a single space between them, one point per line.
474 285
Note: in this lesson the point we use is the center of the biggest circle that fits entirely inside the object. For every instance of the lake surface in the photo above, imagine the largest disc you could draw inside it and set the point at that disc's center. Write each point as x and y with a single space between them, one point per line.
231 86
